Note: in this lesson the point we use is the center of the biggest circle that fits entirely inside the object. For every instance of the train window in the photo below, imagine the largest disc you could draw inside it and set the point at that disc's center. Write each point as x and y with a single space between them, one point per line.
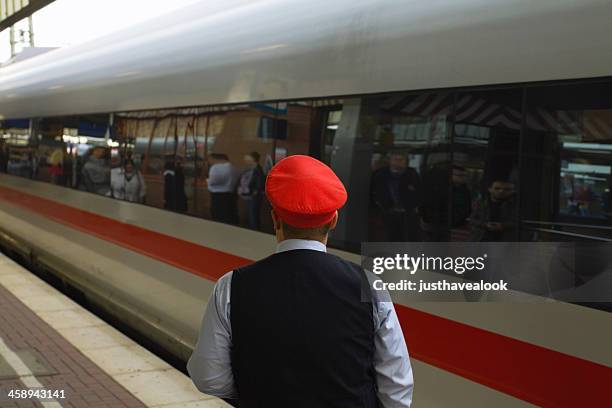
72 151
382 147
128 152
16 154
567 163
163 144
159 162
208 125
331 120
295 124
185 155
239 147
94 151
485 170
53 162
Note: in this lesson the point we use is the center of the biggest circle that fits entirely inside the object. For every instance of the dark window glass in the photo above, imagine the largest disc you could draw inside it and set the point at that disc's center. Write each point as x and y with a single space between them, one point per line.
567 162
382 148
16 151
485 172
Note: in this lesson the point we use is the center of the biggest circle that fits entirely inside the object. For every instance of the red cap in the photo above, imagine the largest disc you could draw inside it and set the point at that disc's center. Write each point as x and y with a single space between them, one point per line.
304 192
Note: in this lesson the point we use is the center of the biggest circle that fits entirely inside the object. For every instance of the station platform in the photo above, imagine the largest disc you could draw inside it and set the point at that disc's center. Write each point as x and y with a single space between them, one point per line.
52 347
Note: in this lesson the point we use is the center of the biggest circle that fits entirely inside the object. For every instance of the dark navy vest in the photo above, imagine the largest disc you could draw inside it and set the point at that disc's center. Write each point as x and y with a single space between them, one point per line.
301 334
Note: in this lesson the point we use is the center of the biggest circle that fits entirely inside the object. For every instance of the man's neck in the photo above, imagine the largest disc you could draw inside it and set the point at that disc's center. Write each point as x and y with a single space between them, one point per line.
292 244
282 239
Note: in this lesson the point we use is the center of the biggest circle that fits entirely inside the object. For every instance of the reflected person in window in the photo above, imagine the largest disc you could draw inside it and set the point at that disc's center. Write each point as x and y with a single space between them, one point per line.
395 192
221 185
493 218
95 175
175 198
251 188
3 157
127 183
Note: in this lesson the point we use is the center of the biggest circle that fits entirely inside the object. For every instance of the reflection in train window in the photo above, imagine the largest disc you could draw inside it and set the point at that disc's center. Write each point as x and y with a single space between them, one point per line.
382 147
55 141
585 187
567 162
296 124
235 166
485 170
434 166
332 117
74 151
16 154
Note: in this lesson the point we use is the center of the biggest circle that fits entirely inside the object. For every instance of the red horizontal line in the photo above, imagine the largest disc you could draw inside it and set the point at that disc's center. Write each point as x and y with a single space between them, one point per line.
529 372
197 259
526 371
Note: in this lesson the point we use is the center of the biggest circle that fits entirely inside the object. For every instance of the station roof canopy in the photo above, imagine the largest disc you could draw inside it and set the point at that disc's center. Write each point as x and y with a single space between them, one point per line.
12 11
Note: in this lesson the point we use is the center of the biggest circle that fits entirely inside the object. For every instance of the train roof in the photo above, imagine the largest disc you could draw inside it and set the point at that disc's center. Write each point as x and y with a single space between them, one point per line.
241 51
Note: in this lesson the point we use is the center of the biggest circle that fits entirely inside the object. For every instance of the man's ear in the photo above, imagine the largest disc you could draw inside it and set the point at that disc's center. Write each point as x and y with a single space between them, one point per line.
334 222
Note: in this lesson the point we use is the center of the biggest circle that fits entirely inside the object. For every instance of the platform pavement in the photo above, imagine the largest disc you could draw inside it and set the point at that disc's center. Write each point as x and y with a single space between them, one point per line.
48 342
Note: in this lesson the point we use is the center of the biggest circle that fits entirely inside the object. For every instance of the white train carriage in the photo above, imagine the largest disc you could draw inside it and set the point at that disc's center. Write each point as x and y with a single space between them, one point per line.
515 89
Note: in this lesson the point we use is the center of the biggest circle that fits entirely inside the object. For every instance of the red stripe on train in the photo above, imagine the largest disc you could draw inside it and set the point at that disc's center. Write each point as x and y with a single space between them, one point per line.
529 372
532 373
199 260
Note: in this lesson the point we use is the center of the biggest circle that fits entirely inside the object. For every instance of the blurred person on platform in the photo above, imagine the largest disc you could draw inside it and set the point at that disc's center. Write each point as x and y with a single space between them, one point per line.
56 167
395 190
127 183
251 189
175 198
179 180
302 328
493 218
4 157
222 188
95 174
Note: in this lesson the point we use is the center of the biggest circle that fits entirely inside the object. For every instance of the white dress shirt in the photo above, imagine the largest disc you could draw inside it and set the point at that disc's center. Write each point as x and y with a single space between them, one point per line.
210 366
221 178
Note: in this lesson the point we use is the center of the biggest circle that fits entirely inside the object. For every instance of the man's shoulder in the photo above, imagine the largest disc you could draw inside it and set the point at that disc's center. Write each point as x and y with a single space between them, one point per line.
251 267
224 281
345 262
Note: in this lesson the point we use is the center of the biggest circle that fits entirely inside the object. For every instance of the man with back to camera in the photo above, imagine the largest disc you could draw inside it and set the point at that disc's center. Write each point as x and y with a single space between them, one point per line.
291 330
